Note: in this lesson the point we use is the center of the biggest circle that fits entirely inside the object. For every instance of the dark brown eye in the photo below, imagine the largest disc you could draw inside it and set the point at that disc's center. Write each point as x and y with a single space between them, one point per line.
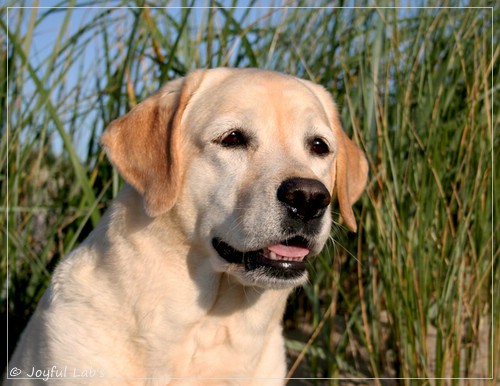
319 147
234 139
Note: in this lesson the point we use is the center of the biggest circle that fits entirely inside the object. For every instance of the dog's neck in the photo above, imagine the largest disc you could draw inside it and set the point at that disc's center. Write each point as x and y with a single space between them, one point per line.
195 293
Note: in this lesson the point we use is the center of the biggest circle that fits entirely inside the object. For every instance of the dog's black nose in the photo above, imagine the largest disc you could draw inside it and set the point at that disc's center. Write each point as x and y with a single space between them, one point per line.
304 198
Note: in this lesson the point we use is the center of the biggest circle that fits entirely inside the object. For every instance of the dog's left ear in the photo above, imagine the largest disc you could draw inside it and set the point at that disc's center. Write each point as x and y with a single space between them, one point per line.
350 171
145 144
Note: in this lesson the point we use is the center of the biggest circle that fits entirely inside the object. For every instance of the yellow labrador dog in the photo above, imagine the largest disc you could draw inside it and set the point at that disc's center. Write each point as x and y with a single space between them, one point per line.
230 176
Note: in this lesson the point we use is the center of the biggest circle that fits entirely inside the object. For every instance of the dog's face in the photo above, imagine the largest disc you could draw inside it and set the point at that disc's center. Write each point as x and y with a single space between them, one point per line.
248 161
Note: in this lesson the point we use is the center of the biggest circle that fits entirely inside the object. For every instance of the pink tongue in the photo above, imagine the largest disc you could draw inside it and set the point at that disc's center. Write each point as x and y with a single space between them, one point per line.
288 251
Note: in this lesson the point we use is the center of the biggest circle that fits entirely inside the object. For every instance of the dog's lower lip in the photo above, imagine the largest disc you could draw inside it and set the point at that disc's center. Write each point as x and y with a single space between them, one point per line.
253 262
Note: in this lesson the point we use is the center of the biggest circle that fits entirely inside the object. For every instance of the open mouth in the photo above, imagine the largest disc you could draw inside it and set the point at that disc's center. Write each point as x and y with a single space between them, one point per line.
285 260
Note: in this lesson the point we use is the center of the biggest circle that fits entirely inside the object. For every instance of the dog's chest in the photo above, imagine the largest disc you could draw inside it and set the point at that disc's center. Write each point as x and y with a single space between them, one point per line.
211 335
238 336
218 347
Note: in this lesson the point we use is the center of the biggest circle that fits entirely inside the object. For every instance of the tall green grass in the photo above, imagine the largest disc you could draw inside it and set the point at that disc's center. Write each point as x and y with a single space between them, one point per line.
409 296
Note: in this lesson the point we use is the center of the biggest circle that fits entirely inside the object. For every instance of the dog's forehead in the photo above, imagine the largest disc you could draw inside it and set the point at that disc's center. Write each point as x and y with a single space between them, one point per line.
261 89
253 95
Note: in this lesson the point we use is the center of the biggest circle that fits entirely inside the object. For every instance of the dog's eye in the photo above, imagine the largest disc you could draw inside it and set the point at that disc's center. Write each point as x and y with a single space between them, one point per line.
319 147
234 139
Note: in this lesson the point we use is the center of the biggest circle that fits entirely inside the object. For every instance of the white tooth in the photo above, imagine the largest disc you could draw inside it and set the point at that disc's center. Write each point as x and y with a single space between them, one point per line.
272 256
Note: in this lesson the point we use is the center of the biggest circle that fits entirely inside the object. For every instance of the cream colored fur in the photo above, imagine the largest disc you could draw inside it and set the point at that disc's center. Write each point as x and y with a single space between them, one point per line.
145 299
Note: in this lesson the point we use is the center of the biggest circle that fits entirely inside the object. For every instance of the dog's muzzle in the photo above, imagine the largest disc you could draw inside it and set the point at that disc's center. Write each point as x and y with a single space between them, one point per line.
304 202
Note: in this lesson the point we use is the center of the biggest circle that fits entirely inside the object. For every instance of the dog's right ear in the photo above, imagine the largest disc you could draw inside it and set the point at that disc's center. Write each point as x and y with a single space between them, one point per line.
145 144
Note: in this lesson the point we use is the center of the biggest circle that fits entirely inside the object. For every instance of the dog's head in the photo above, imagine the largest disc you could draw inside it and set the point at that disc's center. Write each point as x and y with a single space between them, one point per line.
248 160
